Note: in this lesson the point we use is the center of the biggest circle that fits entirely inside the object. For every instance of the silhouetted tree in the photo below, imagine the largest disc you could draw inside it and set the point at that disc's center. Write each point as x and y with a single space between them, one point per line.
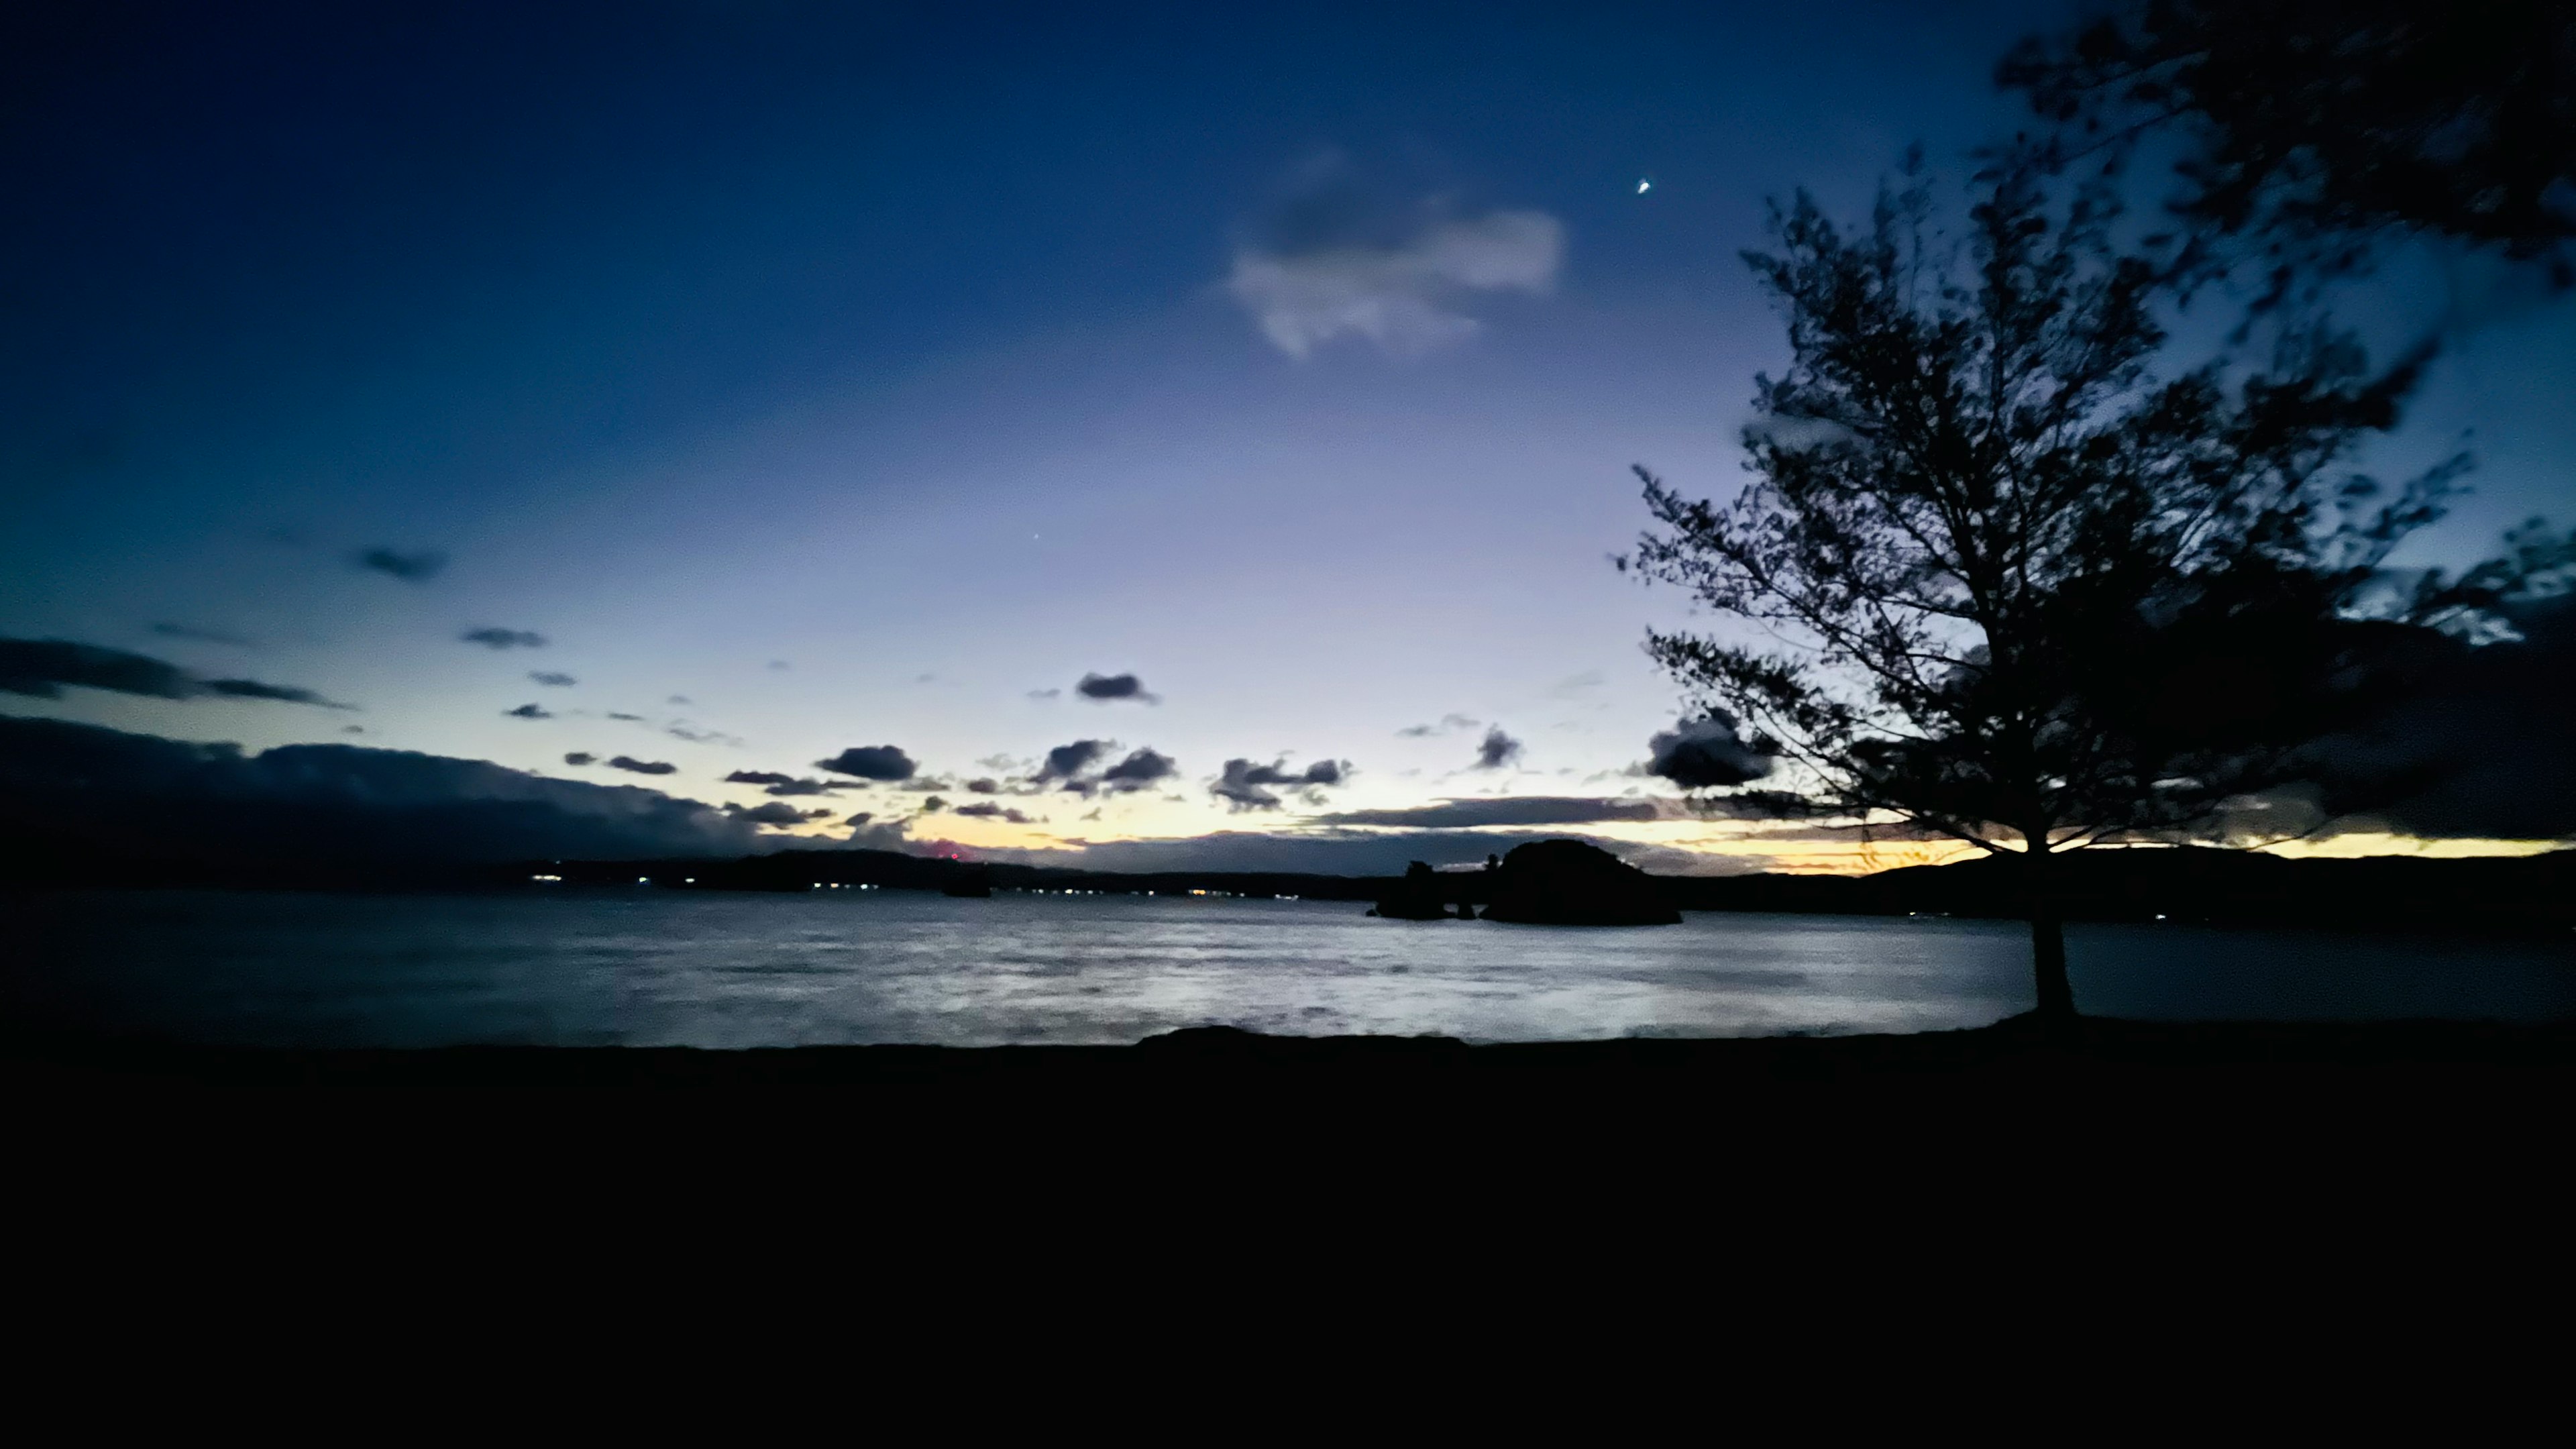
2020 591
2311 127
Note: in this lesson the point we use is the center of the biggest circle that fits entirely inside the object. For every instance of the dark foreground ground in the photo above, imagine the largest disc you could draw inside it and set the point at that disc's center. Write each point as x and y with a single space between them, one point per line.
2161 1103
2383 1184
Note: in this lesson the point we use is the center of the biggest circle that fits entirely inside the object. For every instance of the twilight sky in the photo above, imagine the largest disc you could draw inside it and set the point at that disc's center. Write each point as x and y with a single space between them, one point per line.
817 378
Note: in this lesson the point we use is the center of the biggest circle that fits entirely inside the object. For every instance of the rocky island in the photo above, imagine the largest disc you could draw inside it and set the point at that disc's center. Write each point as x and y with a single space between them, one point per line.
1570 883
1420 896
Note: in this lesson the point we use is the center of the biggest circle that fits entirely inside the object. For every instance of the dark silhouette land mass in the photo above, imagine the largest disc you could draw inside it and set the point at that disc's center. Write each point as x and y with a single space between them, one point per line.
2524 896
1570 883
1419 896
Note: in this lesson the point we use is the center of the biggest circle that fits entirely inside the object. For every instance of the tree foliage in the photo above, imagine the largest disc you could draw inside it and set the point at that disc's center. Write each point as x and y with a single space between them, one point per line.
2020 590
2314 126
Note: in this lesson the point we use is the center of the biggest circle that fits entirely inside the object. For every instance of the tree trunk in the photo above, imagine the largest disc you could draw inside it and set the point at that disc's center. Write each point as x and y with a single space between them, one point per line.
2047 935
2048 962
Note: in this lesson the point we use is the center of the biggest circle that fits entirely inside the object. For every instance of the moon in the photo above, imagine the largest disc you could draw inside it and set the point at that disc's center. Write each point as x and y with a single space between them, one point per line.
1643 186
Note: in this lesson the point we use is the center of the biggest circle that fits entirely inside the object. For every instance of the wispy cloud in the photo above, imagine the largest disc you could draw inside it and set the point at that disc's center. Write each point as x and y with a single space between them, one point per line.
1448 722
416 568
1505 810
774 783
201 636
42 668
987 810
1335 260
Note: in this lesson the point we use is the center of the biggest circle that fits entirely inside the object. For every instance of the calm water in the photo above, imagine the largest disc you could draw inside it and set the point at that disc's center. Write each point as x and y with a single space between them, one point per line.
652 968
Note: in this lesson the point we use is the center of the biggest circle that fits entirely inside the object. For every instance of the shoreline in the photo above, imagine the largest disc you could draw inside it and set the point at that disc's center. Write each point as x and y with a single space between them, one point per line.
2091 1044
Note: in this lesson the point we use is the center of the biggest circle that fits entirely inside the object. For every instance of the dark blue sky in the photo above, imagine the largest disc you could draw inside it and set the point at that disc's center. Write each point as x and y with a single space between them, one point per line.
943 356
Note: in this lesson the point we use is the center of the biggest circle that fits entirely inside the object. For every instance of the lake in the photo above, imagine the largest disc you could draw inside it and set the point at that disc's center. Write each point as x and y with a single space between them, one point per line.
640 966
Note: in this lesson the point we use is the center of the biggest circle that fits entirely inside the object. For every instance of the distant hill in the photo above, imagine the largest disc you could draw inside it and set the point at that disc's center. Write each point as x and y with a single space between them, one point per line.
2231 887
2522 896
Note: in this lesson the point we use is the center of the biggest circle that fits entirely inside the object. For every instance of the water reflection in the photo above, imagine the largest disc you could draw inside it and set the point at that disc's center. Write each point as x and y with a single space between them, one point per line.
662 968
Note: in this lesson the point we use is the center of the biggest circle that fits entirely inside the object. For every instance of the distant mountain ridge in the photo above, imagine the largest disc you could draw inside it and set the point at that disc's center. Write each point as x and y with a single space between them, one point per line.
2521 895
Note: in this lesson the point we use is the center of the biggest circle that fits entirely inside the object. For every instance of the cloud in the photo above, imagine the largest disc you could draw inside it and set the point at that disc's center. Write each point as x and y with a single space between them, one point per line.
880 835
1347 852
984 785
1496 750
774 813
678 699
1704 753
1247 786
1066 764
870 762
1448 723
634 766
778 784
202 636
491 637
699 736
629 718
2479 748
43 668
414 568
1105 687
987 810
344 805
1334 260
552 679
253 689
1084 768
581 757
1138 771
1507 810
1044 693
529 711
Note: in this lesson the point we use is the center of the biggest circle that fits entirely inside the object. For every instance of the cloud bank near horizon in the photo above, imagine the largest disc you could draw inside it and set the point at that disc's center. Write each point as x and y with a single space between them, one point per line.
1352 852
44 668
332 805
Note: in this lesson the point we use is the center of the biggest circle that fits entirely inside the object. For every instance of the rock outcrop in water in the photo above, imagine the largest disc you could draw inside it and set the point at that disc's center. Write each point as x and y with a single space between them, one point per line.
1569 883
1417 897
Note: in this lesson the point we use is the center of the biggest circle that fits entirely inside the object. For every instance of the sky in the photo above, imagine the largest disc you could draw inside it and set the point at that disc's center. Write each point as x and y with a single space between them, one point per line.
727 388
